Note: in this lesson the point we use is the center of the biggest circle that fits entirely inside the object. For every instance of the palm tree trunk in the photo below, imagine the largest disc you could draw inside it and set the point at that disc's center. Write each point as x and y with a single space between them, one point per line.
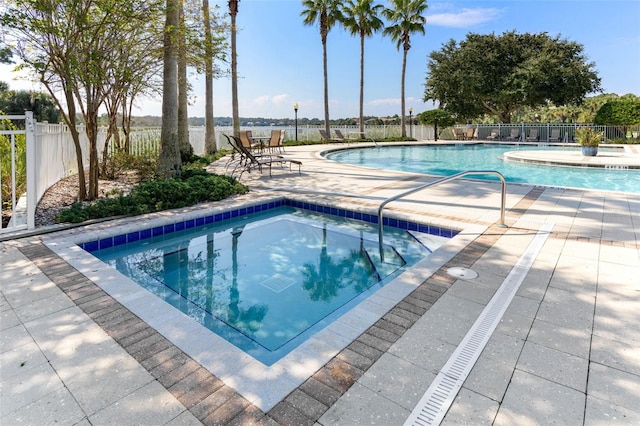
186 150
361 84
209 126
326 86
233 11
169 158
402 103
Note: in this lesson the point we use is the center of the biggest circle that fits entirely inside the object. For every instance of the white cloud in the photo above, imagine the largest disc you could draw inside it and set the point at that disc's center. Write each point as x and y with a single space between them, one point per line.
382 102
280 99
394 101
464 18
262 100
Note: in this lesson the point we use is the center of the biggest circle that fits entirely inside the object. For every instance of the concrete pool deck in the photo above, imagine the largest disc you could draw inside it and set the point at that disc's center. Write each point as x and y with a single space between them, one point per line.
566 349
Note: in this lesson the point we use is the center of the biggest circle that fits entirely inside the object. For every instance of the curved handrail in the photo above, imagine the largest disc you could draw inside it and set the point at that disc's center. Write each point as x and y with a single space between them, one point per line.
437 182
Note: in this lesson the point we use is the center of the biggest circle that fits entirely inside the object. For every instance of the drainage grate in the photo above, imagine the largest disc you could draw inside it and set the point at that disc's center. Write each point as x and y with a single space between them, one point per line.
435 403
278 283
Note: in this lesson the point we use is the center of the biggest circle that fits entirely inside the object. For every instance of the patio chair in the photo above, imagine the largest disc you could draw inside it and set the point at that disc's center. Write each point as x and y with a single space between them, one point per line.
252 161
470 133
555 135
247 141
237 158
281 141
459 134
339 136
494 135
324 135
514 135
533 135
275 141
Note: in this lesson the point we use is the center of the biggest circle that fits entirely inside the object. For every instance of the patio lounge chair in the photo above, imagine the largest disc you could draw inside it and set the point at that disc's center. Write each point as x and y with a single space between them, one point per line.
555 135
324 135
533 135
237 158
459 134
494 135
252 161
339 136
514 135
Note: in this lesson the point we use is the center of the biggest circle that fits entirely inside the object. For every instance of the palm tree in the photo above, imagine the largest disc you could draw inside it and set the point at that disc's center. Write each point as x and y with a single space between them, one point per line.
209 125
361 17
186 150
405 18
326 13
169 159
233 12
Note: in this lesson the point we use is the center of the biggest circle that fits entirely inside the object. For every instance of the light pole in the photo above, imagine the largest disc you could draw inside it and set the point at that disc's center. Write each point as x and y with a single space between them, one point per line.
410 123
295 111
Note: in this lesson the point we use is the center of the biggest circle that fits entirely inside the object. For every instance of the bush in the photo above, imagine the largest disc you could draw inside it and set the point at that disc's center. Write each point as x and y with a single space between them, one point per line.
120 162
193 187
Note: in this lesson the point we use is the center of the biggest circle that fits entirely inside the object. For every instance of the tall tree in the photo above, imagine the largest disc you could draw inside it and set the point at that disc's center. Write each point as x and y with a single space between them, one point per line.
19 101
325 13
405 17
497 75
209 125
205 39
169 162
233 12
186 150
135 70
360 17
69 44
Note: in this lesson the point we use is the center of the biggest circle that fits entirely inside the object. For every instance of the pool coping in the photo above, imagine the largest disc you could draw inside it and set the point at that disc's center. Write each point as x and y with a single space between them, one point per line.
262 386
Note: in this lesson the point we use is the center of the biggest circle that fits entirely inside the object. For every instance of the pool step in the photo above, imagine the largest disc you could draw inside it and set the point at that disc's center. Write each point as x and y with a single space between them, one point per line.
392 260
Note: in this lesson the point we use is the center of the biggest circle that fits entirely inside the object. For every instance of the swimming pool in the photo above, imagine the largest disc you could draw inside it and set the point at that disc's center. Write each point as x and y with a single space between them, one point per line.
444 160
269 279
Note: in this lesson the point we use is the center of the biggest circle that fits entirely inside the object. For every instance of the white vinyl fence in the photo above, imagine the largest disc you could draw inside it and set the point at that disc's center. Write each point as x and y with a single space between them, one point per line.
21 208
51 156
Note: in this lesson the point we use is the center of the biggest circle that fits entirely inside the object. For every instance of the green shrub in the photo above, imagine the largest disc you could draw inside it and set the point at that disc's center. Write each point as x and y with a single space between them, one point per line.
193 187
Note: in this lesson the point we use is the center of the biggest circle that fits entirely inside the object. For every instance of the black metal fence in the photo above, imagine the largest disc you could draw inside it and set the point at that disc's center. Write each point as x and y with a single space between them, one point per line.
539 132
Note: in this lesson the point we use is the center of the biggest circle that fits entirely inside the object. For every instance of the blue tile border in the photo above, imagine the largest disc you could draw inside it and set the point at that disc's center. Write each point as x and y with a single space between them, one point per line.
117 240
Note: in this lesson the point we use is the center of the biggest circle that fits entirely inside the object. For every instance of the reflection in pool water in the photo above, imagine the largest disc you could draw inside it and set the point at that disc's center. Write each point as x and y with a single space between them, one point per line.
263 282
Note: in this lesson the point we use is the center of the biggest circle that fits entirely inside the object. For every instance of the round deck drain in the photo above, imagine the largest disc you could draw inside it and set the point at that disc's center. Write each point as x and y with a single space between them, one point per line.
462 273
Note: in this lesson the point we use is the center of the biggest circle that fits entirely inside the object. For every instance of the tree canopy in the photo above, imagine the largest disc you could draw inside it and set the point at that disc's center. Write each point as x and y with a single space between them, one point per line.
497 75
19 101
619 112
405 18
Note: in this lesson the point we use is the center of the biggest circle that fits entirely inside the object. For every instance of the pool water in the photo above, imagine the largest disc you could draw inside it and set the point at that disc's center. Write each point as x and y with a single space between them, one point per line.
267 281
445 160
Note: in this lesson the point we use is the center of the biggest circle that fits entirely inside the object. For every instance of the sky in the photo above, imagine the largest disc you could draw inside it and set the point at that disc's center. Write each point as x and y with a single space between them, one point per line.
280 59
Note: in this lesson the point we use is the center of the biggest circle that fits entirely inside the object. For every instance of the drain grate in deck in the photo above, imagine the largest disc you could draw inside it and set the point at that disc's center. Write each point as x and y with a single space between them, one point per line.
436 401
278 283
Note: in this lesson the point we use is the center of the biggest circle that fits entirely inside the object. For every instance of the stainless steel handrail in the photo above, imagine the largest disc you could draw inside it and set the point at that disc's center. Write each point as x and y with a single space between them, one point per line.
437 182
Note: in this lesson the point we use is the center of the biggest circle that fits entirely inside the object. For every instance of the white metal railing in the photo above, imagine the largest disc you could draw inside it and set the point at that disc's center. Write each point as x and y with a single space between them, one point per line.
437 182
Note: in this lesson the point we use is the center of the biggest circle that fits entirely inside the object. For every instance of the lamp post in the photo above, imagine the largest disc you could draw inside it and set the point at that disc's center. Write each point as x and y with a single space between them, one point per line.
295 111
410 123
